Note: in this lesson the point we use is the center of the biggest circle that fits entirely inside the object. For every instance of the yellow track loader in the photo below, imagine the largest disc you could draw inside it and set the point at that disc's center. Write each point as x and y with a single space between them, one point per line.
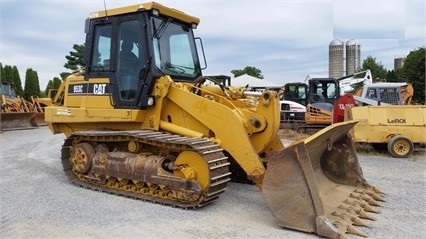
141 120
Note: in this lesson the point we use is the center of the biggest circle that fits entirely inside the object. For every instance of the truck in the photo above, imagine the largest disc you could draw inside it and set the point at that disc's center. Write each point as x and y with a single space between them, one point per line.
141 120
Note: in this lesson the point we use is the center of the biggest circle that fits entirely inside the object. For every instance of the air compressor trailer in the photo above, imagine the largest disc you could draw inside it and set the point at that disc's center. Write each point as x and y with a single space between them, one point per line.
398 128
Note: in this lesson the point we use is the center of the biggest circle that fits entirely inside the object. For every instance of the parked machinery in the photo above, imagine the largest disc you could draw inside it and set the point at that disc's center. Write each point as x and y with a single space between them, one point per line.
141 121
326 98
16 112
385 93
324 92
318 95
292 112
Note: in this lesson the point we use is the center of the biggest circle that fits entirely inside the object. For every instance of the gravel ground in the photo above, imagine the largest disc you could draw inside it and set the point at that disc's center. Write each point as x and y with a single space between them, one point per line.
38 202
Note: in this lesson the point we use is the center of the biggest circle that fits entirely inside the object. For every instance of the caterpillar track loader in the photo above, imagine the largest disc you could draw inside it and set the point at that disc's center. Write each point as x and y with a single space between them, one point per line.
142 121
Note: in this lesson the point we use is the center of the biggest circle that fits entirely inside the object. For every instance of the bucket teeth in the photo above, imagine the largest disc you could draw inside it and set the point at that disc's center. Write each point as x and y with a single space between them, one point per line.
365 215
366 198
372 202
358 222
373 188
339 215
354 219
371 193
348 209
359 211
369 208
377 190
348 229
363 205
353 230
377 197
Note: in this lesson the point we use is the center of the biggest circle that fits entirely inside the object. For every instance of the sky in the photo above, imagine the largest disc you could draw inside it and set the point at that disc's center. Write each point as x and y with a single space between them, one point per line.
286 39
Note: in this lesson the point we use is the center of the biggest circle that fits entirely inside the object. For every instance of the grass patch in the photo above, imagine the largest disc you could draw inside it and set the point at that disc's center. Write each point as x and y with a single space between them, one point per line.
367 149
291 134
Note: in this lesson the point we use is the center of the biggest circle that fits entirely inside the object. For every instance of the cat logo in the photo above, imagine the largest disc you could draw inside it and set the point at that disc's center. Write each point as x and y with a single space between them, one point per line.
99 89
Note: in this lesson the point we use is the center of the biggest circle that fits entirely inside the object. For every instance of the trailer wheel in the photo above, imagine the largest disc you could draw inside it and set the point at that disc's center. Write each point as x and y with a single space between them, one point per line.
400 146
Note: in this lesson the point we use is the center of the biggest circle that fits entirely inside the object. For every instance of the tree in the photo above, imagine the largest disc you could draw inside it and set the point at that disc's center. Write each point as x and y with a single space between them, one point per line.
56 82
64 75
249 70
48 87
10 74
75 58
17 81
32 86
53 84
7 74
394 76
1 72
413 72
391 76
377 69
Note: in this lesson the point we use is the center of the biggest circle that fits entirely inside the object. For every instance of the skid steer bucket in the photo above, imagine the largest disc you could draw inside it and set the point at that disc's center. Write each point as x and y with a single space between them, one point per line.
39 119
17 120
317 185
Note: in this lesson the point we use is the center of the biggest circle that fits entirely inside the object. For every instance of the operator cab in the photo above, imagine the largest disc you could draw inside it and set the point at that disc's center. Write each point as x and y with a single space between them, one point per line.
296 92
319 90
323 90
7 90
136 45
387 92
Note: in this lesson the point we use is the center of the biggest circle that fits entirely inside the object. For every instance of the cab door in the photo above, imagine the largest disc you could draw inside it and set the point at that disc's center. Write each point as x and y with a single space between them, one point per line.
117 50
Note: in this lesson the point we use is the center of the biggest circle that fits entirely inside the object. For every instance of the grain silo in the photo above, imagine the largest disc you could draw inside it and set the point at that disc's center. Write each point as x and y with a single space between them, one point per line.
398 63
353 57
335 59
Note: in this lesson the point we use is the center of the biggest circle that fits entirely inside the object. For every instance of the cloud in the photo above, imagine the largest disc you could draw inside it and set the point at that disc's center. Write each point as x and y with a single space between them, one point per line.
369 19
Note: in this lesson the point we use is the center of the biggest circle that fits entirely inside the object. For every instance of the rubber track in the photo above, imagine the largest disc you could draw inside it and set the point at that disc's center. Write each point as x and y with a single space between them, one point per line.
213 155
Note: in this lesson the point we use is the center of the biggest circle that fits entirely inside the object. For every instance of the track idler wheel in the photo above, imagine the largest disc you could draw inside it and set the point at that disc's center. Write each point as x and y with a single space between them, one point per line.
81 157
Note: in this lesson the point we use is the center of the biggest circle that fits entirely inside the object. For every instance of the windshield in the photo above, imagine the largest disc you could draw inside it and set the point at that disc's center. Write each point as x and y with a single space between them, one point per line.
174 49
7 90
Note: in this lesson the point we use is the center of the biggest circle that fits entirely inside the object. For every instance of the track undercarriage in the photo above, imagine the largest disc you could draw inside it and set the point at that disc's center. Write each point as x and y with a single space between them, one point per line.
149 165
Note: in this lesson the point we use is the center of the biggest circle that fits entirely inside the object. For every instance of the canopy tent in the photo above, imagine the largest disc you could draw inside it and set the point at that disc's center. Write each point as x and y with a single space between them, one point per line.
253 82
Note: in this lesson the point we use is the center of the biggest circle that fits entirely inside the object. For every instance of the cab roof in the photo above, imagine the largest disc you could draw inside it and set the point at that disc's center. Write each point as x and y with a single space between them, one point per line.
163 10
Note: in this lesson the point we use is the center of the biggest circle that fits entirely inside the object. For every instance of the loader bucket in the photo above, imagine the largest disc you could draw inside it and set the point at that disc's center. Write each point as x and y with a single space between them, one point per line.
317 186
39 119
17 120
